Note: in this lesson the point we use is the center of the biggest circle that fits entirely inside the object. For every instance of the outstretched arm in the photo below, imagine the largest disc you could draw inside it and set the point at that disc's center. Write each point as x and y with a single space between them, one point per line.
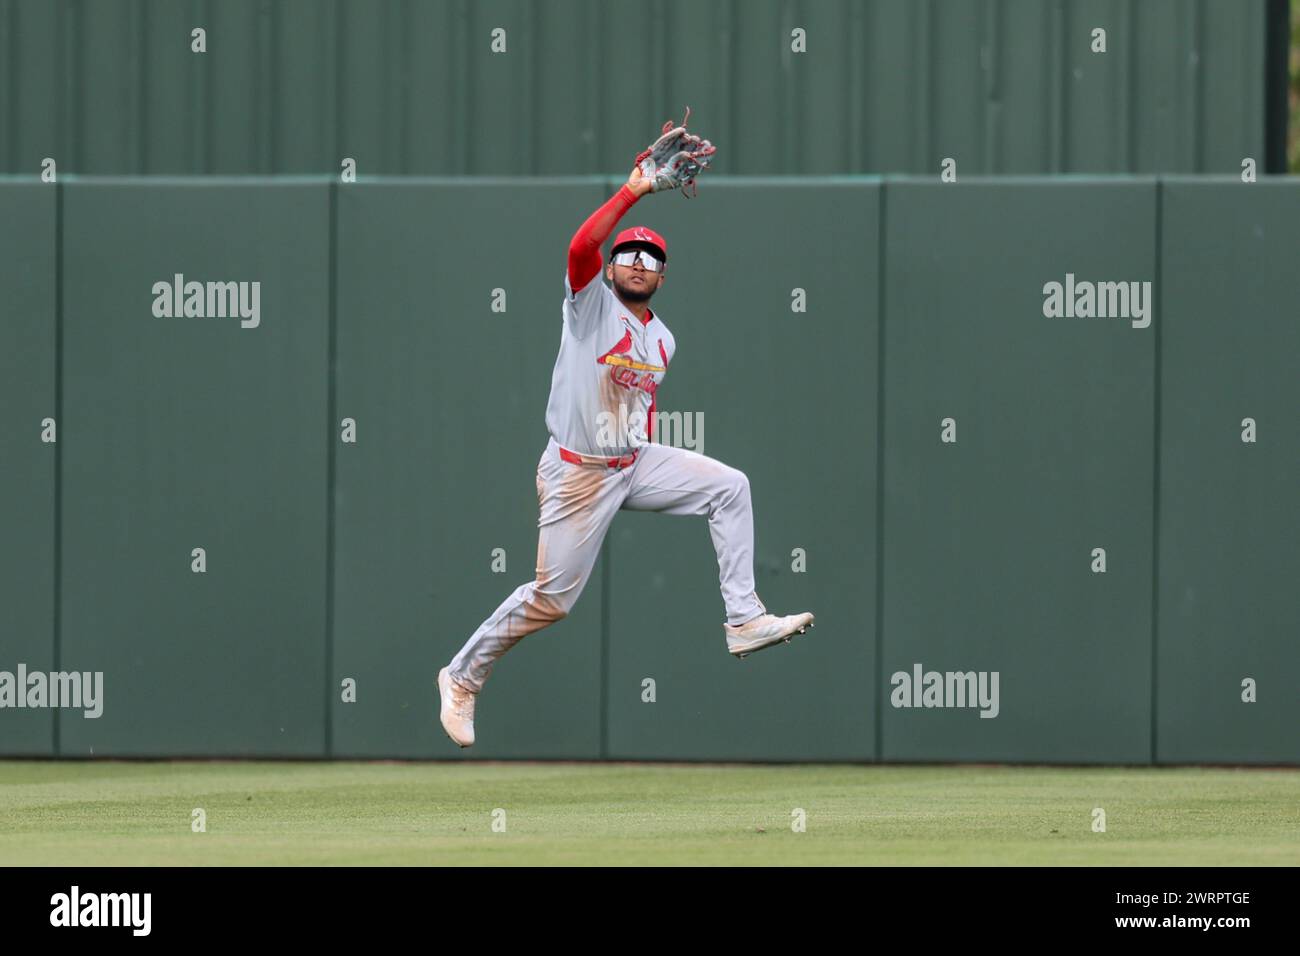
584 248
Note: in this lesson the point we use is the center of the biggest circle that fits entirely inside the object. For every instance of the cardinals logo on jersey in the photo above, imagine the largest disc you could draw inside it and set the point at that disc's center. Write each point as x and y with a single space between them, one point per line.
627 371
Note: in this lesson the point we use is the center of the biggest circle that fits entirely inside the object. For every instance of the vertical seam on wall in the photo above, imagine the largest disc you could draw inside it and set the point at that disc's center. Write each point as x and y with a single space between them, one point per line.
274 66
141 94
880 476
202 137
340 147
589 79
256 106
10 103
1046 89
404 85
58 449
389 87
74 80
332 408
855 53
926 81
1198 88
982 84
532 123
394 90
593 31
1063 91
1128 96
790 115
732 80
1158 318
468 101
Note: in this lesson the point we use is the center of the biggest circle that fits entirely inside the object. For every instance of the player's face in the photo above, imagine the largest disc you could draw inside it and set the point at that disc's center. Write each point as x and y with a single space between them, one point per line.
635 283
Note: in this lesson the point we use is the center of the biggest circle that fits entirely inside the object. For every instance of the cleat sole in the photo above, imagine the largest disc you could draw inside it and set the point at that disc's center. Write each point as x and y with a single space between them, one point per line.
741 655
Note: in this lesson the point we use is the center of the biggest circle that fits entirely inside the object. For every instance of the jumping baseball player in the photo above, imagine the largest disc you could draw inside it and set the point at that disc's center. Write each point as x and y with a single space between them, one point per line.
614 352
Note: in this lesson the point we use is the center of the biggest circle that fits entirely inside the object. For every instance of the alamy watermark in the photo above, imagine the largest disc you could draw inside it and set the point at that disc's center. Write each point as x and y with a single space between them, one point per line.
674 429
922 688
208 300
1102 300
76 908
37 689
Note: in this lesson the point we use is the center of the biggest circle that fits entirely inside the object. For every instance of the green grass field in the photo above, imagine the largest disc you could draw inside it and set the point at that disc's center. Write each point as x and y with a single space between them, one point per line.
107 813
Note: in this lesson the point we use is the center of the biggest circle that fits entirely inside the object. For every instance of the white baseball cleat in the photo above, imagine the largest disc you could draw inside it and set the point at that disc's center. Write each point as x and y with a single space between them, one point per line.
457 710
764 631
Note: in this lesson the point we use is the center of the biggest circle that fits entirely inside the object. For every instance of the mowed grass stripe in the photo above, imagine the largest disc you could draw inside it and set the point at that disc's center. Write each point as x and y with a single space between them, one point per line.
102 812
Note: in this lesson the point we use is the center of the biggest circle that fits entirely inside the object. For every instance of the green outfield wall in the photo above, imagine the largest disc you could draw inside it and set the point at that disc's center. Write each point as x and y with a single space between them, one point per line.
1029 533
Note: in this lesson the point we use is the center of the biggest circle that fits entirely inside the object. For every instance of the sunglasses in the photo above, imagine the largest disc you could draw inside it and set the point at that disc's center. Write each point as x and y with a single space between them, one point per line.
629 257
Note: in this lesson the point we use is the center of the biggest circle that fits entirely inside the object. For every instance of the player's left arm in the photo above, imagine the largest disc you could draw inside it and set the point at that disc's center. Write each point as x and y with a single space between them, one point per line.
584 247
584 301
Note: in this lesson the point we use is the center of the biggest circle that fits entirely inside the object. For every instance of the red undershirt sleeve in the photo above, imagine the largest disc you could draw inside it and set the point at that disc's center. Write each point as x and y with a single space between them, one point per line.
584 248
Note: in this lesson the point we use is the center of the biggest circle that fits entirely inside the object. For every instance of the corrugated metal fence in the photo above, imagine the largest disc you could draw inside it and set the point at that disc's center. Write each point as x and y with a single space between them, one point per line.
408 87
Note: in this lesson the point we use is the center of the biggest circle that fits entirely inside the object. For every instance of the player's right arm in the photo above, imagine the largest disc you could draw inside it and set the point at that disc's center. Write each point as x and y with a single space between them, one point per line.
584 294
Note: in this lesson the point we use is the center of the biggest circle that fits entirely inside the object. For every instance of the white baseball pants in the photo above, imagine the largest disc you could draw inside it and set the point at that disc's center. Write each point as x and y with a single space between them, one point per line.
577 502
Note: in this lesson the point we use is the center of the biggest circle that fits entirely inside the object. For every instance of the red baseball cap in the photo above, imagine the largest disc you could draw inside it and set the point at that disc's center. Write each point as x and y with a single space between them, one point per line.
641 236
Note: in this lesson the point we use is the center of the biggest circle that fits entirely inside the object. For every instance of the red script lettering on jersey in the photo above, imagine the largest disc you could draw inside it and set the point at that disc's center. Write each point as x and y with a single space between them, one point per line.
628 372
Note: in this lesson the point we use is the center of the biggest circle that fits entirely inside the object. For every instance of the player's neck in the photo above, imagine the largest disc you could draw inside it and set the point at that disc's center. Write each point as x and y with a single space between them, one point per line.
640 309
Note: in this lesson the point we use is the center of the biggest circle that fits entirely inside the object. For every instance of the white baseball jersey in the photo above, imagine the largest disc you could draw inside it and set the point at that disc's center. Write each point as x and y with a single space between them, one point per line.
606 375
602 394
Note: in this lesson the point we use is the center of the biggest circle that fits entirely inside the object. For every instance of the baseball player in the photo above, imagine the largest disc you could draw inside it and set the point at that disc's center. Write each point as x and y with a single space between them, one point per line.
614 353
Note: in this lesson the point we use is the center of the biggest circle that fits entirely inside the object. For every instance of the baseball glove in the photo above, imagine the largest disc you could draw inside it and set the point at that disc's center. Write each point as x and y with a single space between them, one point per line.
676 158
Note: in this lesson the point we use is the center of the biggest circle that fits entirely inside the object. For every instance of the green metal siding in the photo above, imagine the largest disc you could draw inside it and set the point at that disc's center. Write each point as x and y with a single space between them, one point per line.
403 87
